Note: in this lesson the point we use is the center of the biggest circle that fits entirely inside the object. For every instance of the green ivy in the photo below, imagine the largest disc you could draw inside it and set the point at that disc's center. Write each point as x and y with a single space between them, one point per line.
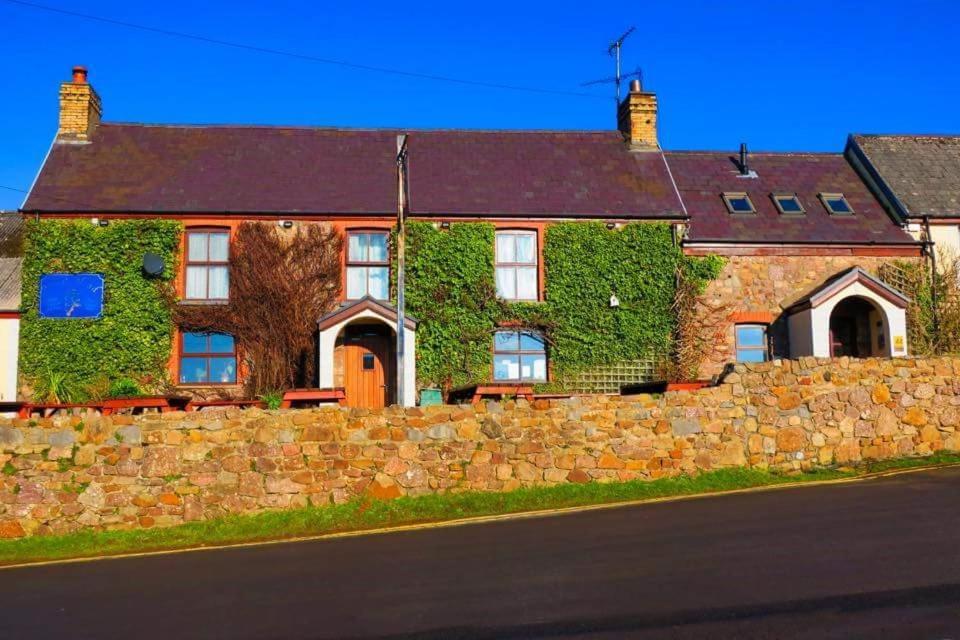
132 338
451 289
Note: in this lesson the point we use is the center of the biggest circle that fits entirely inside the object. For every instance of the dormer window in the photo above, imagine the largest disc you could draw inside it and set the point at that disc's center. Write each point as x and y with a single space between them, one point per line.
738 203
788 204
836 204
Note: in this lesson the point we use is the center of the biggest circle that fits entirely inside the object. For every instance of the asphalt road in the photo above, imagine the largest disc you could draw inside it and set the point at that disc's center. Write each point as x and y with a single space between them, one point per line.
877 559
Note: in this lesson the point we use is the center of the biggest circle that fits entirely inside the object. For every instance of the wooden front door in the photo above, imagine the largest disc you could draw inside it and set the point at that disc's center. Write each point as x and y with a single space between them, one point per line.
367 367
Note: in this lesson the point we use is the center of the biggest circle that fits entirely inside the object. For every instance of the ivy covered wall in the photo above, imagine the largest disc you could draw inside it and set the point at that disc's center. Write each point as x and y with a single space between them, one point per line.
450 288
133 337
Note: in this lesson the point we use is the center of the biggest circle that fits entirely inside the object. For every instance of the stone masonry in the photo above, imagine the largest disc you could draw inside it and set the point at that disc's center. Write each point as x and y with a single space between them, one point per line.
86 471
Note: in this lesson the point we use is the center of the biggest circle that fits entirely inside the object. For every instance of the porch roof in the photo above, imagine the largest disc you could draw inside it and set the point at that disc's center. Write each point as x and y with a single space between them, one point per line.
838 282
350 309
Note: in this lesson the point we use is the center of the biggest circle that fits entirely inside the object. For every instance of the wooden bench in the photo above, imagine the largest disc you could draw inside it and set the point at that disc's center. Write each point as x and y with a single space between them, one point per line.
476 393
107 407
300 396
46 409
196 405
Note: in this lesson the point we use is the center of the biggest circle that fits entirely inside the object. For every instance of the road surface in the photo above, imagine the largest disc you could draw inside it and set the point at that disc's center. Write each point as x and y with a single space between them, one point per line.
875 559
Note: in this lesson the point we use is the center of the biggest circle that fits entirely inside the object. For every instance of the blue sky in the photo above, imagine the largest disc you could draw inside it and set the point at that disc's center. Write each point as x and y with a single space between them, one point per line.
778 75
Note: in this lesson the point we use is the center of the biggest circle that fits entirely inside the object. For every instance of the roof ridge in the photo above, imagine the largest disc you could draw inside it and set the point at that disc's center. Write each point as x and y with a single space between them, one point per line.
351 129
720 152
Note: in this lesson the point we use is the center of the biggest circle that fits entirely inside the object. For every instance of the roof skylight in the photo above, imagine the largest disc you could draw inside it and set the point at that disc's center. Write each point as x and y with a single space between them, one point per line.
738 203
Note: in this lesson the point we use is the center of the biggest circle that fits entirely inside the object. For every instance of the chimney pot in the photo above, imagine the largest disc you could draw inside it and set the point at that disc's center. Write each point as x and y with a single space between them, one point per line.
635 86
79 75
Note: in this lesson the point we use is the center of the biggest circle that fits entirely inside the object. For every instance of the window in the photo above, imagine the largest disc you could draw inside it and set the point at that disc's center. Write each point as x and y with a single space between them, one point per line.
738 203
368 265
519 356
208 358
516 269
751 342
836 204
788 204
208 276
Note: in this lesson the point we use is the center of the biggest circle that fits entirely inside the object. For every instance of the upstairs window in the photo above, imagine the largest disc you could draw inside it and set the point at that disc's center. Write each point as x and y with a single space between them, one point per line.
788 204
208 274
208 358
751 343
836 204
368 265
519 356
516 268
738 203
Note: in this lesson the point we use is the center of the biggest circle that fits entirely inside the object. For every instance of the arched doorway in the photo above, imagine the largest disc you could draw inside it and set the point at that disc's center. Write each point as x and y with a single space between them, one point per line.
858 329
366 355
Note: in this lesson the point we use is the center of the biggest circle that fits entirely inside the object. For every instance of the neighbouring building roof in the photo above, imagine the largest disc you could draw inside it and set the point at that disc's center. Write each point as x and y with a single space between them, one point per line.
250 169
11 259
703 178
920 172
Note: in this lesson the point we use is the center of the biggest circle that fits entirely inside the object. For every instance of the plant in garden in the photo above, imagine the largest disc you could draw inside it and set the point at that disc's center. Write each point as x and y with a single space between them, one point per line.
124 388
57 387
272 399
933 316
280 283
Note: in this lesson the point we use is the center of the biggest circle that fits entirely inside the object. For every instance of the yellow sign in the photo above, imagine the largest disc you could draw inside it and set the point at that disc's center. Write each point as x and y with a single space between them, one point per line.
898 343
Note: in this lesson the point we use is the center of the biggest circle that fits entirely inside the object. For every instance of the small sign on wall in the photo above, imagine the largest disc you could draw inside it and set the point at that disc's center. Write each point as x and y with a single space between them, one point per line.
71 295
898 343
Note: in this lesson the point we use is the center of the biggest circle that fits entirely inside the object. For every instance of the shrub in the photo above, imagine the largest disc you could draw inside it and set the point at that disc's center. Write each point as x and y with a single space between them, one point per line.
124 388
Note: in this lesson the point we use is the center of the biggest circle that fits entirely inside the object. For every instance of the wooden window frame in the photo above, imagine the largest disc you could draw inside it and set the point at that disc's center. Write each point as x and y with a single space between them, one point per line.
520 353
765 348
361 263
207 264
517 265
776 197
206 355
826 197
738 195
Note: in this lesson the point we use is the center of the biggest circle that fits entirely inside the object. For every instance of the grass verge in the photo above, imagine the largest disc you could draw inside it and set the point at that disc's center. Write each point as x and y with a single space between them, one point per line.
364 513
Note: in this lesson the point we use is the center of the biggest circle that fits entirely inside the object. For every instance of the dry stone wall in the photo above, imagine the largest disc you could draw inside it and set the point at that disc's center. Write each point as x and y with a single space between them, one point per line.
84 471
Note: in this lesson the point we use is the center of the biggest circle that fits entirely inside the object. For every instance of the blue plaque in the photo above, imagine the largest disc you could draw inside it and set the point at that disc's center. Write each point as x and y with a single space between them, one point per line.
71 295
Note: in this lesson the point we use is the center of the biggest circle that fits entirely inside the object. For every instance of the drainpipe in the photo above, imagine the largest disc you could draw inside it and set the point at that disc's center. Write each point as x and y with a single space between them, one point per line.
931 248
401 262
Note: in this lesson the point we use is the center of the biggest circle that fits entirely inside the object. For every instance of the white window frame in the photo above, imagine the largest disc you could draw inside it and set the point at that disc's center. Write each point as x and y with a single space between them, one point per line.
516 266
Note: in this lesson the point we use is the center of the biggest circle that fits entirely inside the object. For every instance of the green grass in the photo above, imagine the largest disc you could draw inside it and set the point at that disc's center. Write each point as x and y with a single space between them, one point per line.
365 513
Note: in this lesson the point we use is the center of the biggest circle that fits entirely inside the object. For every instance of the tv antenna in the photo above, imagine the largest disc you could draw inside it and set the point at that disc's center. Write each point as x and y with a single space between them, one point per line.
614 50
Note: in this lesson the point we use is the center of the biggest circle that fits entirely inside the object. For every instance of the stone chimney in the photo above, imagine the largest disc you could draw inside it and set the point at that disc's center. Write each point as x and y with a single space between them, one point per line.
637 119
79 108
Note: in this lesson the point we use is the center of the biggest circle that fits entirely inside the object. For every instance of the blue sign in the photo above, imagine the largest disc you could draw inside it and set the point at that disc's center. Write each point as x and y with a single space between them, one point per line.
71 295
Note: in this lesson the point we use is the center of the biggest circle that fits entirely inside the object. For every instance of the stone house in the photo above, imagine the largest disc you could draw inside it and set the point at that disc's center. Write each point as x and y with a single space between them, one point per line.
802 233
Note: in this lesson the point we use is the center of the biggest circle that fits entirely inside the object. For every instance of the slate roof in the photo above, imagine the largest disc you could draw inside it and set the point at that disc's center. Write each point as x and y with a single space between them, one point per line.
238 169
11 259
921 171
703 176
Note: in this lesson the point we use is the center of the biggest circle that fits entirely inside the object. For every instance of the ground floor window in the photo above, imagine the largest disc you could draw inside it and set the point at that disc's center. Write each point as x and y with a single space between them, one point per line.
208 358
519 356
752 343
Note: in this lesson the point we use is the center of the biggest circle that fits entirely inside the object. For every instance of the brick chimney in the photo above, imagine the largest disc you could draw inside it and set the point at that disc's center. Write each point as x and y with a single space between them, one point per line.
637 119
79 108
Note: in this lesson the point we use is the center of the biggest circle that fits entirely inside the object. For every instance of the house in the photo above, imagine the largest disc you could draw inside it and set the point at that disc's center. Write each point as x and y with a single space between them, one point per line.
579 234
10 260
917 177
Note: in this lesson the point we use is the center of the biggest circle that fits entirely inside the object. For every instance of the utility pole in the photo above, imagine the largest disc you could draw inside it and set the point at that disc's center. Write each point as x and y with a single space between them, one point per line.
614 50
401 259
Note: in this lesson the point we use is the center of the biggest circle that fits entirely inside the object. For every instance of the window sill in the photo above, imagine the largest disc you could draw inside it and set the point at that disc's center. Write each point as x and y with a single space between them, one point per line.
202 303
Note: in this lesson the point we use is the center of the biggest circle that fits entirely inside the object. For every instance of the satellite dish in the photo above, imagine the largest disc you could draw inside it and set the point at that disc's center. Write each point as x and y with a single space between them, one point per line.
152 264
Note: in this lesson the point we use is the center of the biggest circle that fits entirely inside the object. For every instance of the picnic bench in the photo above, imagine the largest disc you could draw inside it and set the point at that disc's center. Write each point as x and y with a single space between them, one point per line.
299 397
196 405
106 407
475 393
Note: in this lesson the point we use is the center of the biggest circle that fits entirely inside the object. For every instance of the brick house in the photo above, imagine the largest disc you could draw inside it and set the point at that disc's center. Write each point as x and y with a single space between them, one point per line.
802 232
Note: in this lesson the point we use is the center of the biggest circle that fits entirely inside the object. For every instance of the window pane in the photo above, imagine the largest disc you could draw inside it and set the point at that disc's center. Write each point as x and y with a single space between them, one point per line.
197 247
750 337
221 343
505 341
358 247
530 341
379 283
533 367
506 248
740 205
506 367
751 355
839 205
194 343
527 283
223 370
196 282
378 247
219 283
506 282
526 248
789 205
356 282
219 247
193 370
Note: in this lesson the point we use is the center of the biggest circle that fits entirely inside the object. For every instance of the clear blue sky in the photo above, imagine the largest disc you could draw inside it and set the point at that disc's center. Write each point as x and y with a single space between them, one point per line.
779 75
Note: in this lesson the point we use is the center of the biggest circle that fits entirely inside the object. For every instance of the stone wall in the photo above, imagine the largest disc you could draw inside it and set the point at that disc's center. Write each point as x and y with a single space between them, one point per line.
72 472
756 289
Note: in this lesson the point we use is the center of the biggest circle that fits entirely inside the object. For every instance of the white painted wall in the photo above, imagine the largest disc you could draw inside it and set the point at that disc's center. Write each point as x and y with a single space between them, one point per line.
946 239
9 353
895 321
328 343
